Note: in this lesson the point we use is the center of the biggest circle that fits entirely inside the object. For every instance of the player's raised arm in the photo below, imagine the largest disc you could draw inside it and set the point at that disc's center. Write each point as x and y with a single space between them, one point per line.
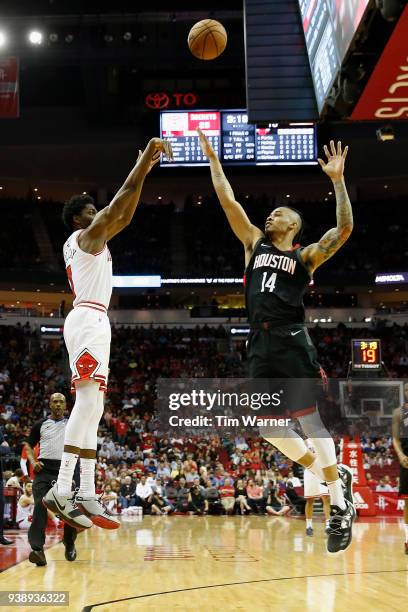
316 254
237 217
118 214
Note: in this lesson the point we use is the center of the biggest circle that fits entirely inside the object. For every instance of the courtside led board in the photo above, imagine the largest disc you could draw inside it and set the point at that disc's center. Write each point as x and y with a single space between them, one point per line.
366 354
235 141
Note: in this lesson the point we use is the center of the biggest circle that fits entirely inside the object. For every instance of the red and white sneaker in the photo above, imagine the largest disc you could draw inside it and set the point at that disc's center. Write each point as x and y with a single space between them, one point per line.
93 508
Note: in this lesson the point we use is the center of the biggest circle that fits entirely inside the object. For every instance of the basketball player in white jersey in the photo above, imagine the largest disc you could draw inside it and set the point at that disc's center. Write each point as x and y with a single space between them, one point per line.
87 337
25 507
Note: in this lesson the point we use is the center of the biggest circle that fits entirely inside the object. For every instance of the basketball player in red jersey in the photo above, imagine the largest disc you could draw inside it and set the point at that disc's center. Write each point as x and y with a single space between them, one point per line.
87 337
279 346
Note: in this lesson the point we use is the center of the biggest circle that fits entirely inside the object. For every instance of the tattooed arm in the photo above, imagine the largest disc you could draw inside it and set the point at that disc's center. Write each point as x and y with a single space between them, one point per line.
316 254
247 233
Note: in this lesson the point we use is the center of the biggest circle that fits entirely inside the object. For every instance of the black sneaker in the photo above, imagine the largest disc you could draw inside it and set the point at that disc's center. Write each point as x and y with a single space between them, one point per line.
340 527
346 477
37 557
309 531
70 551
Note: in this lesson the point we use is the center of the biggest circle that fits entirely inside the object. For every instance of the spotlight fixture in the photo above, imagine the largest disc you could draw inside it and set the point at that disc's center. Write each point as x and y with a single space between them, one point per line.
3 39
127 36
35 37
53 37
69 38
108 38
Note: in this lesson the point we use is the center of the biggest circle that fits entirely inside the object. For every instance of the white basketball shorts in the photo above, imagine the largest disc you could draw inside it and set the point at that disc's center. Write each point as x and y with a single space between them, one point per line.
312 486
87 336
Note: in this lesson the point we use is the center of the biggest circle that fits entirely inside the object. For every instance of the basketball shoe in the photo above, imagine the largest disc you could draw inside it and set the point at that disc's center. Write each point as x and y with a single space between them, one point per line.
66 508
96 510
340 527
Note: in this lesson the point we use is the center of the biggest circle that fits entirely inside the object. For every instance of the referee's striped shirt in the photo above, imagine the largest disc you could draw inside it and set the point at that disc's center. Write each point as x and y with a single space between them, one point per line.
50 435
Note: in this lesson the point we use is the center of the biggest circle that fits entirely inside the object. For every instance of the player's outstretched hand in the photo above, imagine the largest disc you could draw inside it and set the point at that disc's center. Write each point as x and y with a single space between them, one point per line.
205 144
334 167
163 146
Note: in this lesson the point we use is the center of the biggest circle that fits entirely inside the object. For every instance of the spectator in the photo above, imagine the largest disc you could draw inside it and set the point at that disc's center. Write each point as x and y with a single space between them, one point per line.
255 496
227 494
17 480
275 504
370 480
144 495
127 493
163 471
241 498
160 505
383 486
110 499
293 480
197 504
213 497
182 496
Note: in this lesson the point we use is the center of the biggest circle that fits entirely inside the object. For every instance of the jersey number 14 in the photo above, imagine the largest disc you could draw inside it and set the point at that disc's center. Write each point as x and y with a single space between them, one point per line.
268 283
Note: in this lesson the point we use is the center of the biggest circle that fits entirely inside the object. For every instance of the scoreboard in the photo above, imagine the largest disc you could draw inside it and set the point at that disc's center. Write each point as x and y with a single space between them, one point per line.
235 141
366 354
329 27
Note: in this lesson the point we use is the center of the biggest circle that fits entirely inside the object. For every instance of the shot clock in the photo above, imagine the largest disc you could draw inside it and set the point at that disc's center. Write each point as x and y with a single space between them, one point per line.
366 354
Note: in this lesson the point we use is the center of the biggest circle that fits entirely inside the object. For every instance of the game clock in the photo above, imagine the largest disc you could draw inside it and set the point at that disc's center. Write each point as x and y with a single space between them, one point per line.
366 354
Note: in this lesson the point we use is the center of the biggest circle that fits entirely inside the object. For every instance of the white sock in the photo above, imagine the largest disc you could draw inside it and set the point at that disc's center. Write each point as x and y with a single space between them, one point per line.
87 480
66 473
309 523
406 531
327 522
336 494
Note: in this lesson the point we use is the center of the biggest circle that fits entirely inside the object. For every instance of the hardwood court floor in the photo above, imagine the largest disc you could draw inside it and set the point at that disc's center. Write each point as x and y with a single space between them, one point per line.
223 563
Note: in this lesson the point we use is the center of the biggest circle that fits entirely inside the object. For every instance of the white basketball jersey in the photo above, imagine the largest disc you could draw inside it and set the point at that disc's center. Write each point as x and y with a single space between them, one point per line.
24 512
90 276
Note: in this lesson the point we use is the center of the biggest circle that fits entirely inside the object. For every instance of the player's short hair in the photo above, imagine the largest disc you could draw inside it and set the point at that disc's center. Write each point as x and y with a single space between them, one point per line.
299 235
74 206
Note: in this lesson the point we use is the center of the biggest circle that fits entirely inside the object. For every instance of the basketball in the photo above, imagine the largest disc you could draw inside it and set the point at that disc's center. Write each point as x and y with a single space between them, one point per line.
207 39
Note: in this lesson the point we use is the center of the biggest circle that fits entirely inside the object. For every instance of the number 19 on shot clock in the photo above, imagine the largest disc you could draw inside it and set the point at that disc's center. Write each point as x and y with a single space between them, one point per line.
366 354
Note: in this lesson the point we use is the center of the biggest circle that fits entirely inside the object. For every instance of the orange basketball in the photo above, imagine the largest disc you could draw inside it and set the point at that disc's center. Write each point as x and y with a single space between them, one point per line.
207 39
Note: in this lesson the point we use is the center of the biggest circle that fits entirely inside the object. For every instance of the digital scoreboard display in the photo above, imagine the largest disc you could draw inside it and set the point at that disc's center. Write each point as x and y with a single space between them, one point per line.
235 141
329 27
366 354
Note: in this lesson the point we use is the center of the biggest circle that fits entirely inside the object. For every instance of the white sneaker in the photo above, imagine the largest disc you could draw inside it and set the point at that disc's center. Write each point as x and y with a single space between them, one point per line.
98 513
66 508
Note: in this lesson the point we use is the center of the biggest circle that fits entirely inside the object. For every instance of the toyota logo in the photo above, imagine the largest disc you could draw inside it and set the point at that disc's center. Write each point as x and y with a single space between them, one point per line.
157 100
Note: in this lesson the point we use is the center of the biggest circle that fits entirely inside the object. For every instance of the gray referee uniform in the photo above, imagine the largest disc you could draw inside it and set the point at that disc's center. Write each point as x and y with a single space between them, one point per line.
49 434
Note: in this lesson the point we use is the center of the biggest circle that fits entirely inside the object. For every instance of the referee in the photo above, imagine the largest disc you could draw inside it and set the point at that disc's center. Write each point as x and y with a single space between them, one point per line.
49 432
